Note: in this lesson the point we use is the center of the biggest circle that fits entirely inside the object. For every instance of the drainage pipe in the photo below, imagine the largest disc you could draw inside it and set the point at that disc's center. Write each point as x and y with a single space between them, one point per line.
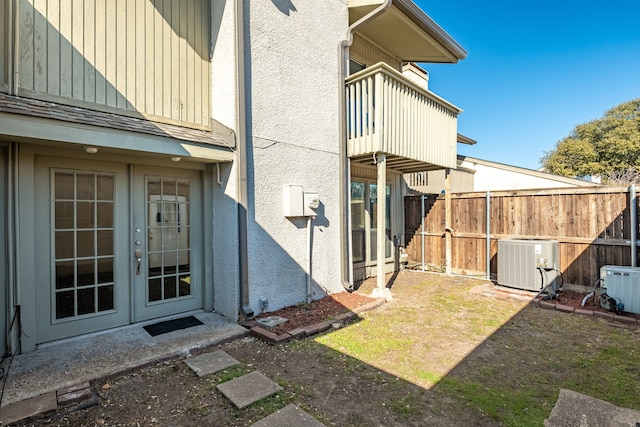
634 224
343 59
241 161
488 226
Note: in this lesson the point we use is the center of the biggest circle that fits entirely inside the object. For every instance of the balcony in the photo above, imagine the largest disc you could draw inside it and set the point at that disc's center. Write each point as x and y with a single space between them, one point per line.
388 113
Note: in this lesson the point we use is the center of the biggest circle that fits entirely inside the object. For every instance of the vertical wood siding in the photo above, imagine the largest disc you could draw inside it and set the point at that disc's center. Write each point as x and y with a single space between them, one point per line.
138 57
591 224
4 45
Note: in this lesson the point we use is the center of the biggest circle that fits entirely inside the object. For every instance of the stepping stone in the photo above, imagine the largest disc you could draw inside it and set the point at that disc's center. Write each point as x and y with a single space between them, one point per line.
271 321
289 416
210 363
248 389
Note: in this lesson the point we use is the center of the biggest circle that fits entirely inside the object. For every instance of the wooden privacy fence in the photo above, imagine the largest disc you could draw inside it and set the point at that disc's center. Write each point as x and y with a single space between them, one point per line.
593 225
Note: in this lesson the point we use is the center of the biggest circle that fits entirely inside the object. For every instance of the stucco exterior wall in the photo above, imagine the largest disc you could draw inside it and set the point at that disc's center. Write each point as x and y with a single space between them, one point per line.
224 181
293 138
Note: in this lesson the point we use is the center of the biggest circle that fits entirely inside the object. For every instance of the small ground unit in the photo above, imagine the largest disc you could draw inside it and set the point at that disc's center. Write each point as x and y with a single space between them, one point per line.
623 284
529 264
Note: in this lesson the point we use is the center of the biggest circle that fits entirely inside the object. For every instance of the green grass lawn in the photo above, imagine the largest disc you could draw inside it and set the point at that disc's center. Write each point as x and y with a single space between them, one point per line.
502 359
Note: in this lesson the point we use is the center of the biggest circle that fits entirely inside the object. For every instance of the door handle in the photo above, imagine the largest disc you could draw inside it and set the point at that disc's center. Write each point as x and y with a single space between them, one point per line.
138 254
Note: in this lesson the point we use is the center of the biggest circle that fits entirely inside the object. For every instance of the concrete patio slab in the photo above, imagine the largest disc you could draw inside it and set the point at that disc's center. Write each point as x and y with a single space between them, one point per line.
116 352
289 416
210 363
576 409
248 389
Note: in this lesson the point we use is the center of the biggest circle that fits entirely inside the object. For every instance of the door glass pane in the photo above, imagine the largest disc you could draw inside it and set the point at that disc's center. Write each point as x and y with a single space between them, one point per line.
64 186
64 215
373 216
105 298
105 242
358 221
105 214
104 190
85 214
168 229
64 244
84 247
64 274
364 222
85 186
86 272
86 301
85 243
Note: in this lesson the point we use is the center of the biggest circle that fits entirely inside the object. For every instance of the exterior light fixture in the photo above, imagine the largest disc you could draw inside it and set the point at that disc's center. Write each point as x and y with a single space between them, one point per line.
176 159
91 150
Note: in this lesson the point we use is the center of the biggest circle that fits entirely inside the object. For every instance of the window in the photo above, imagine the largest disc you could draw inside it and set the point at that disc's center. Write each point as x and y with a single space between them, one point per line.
364 222
355 66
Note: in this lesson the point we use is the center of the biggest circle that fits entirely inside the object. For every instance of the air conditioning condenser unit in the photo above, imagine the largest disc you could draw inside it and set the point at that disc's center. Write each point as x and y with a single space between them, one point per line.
529 264
623 284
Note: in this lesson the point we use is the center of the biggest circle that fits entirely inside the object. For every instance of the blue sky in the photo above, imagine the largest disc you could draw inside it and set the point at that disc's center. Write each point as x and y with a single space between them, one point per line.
535 70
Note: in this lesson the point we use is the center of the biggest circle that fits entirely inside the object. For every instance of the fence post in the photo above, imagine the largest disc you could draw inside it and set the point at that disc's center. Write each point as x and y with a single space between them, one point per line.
422 234
447 220
633 220
488 231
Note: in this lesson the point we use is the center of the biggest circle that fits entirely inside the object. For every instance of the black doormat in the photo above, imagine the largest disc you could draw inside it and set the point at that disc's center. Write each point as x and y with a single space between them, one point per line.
172 325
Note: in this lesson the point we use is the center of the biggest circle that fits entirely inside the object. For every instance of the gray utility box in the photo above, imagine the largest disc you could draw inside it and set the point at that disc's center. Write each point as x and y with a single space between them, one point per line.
623 284
529 264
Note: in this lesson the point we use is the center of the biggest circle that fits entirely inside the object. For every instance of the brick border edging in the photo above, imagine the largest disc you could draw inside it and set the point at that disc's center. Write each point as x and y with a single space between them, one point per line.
586 312
298 333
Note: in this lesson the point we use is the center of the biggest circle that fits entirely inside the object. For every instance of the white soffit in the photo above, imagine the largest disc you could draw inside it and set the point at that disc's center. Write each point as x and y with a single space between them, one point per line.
406 32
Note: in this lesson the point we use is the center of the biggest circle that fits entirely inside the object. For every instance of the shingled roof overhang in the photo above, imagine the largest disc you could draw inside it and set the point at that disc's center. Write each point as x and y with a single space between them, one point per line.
32 120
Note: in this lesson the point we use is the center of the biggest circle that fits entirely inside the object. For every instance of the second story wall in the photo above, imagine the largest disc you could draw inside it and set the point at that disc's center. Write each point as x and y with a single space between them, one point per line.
134 57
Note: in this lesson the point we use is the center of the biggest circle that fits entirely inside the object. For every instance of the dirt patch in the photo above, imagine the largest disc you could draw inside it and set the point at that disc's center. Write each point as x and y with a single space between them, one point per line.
437 354
307 314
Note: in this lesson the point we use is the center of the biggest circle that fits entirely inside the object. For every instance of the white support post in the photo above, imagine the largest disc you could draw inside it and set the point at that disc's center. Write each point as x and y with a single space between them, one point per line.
381 213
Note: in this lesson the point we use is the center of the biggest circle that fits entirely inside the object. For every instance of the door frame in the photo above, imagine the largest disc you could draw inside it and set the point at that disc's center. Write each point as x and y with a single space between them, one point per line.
141 308
26 238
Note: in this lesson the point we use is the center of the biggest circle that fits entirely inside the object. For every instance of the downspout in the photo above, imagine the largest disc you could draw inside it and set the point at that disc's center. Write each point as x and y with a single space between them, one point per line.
241 160
343 60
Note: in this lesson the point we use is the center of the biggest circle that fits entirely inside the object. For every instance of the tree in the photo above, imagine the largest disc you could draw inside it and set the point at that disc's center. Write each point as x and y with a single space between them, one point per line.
608 147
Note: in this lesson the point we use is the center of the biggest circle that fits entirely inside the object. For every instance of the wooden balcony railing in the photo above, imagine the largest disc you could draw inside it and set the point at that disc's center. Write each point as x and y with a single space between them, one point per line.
386 112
